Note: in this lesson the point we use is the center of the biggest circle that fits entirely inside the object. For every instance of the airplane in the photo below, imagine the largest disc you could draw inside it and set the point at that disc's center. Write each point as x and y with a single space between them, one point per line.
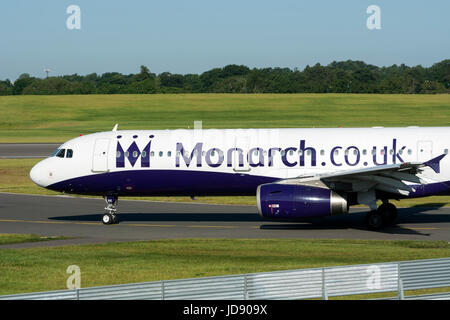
295 173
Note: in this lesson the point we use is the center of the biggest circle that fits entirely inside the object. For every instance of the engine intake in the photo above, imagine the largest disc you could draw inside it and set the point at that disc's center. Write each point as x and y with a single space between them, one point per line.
293 201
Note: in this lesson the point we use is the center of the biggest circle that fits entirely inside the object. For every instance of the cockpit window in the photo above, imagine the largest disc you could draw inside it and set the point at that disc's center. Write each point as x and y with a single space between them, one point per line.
60 153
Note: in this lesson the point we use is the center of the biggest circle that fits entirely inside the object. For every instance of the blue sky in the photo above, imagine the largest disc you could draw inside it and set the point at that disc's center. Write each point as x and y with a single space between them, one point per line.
197 35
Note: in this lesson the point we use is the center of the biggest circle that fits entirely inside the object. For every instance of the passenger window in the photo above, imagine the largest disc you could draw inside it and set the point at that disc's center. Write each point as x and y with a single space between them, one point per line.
61 153
69 153
169 153
160 153
118 154
446 151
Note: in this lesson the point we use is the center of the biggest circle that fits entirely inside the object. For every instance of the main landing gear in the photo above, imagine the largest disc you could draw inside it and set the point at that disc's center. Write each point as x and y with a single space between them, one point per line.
110 216
385 215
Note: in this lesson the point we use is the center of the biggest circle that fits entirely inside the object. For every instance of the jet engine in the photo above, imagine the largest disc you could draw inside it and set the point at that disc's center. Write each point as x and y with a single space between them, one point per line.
296 201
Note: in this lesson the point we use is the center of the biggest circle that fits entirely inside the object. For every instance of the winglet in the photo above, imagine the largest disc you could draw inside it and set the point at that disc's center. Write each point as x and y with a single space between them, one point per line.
115 127
434 163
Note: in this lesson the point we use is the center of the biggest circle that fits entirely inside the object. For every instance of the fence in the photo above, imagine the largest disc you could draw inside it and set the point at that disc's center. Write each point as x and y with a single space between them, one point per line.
322 283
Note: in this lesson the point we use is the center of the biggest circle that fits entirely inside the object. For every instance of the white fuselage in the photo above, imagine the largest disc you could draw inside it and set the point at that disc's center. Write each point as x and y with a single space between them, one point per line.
230 161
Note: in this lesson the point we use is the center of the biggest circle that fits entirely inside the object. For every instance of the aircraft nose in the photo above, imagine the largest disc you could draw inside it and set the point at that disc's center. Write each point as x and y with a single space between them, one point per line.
37 174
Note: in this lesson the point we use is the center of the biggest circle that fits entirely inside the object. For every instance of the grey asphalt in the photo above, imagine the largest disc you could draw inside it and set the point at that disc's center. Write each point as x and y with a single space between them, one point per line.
27 150
79 218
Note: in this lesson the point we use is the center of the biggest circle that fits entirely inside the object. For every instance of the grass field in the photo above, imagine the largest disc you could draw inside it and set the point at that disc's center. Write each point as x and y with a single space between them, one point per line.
6 238
39 269
60 118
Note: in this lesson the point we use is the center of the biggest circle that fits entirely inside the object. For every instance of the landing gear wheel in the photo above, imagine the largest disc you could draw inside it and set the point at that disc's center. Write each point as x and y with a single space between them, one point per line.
383 216
107 218
110 216
390 210
375 220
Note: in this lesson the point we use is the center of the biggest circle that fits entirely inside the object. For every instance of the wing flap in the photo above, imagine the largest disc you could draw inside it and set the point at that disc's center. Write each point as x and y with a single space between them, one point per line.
403 176
393 183
393 178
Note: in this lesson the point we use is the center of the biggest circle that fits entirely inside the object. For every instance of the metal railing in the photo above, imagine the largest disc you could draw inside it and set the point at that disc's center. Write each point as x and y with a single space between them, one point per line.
394 277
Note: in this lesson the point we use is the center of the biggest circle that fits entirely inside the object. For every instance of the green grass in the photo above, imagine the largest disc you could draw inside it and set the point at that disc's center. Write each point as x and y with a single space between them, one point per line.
15 177
60 118
11 238
40 269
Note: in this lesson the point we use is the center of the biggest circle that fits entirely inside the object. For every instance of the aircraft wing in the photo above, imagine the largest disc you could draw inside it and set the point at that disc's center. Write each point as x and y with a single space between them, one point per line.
390 178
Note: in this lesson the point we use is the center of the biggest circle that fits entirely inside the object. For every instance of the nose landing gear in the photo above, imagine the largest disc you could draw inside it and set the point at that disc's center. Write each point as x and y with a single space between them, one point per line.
110 216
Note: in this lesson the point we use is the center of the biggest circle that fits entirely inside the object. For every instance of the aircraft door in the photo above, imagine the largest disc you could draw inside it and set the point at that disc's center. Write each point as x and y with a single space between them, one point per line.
424 151
100 155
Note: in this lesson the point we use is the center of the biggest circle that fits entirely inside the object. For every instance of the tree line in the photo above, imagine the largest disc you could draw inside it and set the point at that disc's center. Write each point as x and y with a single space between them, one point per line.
337 77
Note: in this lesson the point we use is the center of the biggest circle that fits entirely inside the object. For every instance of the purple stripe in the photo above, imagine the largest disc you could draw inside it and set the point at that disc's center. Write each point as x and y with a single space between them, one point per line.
199 183
163 183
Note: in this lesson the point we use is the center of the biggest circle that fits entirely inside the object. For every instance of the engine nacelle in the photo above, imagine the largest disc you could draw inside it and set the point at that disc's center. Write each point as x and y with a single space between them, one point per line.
294 201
